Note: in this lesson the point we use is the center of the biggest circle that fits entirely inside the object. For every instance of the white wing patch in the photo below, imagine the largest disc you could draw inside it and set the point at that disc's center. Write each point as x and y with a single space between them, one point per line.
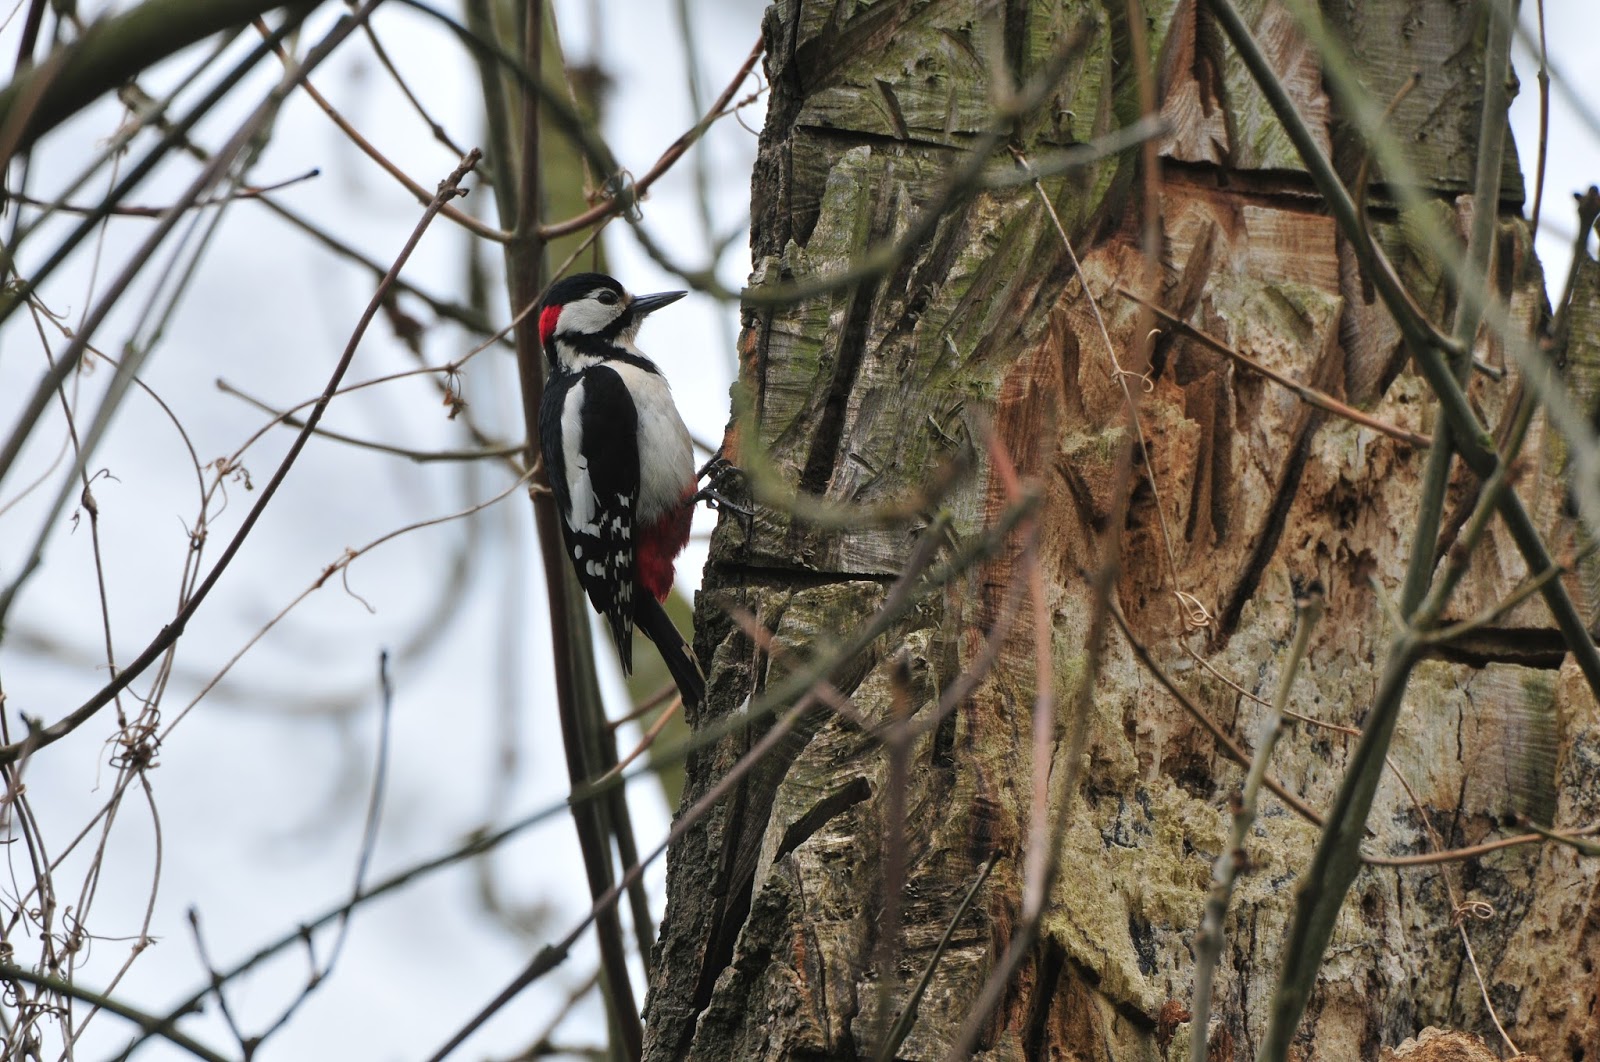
581 518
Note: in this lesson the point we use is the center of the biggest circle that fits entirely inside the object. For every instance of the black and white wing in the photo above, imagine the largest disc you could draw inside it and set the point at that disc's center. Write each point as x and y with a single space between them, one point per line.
588 430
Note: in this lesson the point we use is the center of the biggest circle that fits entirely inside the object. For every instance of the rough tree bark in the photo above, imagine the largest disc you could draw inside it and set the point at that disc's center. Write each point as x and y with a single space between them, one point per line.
772 946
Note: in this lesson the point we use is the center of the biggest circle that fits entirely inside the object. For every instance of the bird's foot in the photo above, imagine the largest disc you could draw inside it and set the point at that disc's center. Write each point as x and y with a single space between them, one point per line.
718 469
722 476
715 499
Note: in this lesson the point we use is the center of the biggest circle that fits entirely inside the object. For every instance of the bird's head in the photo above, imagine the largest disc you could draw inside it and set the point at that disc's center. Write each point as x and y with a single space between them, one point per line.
590 316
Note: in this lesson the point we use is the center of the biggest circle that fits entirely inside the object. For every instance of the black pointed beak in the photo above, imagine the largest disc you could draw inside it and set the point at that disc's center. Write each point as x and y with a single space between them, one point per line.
646 304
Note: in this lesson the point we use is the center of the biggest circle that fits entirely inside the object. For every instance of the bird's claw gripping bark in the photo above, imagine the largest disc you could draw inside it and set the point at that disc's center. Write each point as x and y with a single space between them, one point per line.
721 475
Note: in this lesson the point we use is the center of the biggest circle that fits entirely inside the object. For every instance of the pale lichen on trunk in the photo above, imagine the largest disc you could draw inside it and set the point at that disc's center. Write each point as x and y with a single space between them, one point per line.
860 394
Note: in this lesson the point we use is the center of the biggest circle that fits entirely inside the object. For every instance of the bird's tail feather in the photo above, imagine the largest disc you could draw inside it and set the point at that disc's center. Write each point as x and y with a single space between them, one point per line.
653 620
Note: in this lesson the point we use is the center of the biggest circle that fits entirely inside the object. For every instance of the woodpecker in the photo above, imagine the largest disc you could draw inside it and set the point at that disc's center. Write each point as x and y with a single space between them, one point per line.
619 461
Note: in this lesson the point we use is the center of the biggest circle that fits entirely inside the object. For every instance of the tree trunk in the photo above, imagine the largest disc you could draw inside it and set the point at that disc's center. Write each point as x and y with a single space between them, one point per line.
776 942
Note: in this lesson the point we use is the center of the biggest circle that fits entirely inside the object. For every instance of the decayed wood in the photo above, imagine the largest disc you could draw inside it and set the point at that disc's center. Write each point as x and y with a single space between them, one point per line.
862 393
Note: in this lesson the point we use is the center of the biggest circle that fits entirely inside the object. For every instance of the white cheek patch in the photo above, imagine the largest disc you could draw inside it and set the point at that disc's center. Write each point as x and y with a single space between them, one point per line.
586 316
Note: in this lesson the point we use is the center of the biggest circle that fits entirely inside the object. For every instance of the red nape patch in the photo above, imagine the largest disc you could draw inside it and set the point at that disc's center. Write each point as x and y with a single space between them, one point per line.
659 546
547 322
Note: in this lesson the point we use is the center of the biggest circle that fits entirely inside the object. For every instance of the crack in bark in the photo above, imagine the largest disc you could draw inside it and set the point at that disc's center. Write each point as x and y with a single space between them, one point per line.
1272 527
1539 647
824 455
1048 972
869 138
891 103
774 575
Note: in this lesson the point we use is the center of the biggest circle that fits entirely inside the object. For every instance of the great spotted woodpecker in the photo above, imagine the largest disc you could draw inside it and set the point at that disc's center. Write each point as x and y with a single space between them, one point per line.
619 461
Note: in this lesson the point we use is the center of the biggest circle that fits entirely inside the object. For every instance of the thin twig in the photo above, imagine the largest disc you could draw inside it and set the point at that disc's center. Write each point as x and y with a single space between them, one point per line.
890 943
338 567
907 1017
1325 882
169 634
1194 613
649 736
1223 739
438 130
1233 860
1456 855
631 194
1544 126
217 982
799 690
421 194
503 450
147 1023
369 840
1065 779
124 210
1307 394
70 357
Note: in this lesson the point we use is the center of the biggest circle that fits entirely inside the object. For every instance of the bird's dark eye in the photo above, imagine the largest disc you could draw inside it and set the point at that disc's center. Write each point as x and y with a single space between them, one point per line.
609 298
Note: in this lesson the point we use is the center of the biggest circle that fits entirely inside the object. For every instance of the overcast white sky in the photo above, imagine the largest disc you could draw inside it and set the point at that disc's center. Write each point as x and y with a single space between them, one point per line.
260 790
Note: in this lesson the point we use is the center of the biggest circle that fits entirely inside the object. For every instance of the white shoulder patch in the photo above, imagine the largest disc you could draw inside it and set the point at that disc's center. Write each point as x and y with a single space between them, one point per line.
581 518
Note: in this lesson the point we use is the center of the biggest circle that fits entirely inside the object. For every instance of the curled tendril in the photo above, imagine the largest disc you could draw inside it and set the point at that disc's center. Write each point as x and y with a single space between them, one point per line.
619 186
1475 909
1146 384
1196 616
137 746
